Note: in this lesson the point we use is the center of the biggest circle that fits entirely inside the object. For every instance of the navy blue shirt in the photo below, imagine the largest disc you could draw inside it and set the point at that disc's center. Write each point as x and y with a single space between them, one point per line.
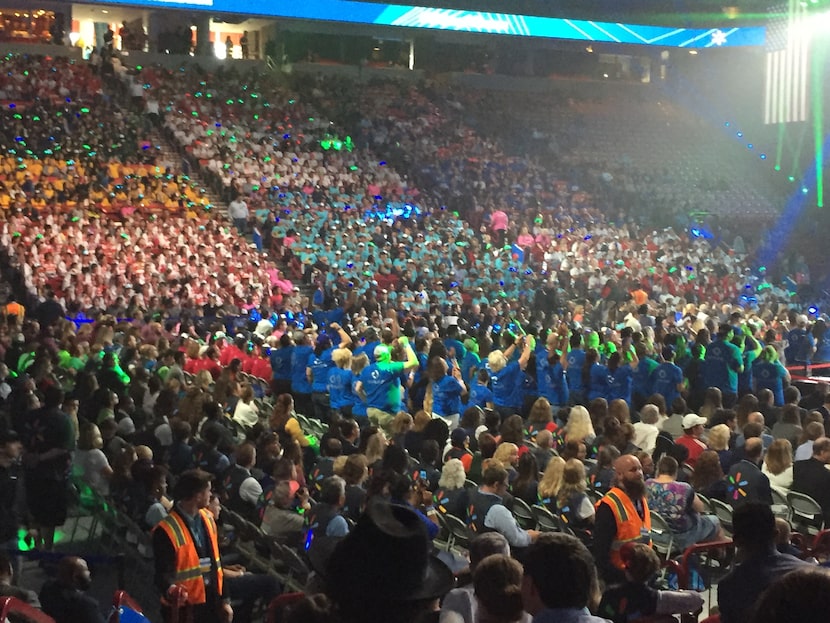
299 363
281 362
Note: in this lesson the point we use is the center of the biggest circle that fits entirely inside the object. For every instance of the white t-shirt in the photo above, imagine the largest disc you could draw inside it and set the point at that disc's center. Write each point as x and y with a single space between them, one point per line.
89 465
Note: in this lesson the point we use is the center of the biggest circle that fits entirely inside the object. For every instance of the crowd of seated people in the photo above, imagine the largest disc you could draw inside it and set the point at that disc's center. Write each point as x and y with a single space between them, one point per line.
155 381
140 419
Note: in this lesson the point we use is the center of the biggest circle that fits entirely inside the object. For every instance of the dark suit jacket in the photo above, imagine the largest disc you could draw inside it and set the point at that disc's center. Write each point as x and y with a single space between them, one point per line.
813 478
746 483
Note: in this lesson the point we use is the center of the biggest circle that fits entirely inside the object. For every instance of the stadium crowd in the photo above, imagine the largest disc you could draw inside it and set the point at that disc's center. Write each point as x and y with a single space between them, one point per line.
519 339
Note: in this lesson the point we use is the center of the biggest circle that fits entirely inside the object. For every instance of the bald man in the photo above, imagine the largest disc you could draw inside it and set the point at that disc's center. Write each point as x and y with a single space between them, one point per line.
65 599
745 482
622 517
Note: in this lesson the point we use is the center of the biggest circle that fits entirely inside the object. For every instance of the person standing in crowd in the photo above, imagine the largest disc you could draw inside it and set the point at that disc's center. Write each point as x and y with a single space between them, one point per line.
722 365
238 208
188 571
47 462
379 383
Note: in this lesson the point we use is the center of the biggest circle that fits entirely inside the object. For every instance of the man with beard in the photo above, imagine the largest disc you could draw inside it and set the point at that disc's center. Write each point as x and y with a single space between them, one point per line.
622 517
64 598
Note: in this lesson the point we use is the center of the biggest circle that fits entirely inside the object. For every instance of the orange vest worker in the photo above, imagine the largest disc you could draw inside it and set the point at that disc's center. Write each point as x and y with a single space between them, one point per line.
630 528
190 570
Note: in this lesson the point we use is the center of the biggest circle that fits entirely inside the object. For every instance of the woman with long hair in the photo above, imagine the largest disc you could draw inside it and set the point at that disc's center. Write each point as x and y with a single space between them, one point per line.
579 426
768 373
283 422
525 487
708 479
550 483
574 505
778 464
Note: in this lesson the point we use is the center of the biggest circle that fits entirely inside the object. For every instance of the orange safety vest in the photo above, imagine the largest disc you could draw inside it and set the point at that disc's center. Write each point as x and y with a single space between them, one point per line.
15 309
630 528
189 570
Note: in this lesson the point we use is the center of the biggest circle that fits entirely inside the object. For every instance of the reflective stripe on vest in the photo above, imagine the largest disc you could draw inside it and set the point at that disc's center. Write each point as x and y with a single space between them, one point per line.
629 525
190 569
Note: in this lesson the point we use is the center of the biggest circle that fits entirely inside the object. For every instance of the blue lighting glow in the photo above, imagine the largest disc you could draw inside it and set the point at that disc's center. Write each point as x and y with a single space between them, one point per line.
471 21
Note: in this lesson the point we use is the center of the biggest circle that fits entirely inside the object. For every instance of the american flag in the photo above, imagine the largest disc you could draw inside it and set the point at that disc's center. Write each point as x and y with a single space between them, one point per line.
786 91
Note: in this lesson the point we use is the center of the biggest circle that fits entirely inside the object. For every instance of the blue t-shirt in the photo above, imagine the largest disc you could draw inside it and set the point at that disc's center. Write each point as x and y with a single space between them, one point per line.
382 384
598 381
506 385
642 377
551 381
620 382
770 375
368 349
299 363
339 387
281 362
576 360
721 365
460 351
480 395
320 366
469 365
664 380
800 344
446 396
358 404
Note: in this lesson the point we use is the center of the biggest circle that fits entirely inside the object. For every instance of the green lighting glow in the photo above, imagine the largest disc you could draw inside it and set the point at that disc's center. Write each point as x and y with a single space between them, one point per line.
817 67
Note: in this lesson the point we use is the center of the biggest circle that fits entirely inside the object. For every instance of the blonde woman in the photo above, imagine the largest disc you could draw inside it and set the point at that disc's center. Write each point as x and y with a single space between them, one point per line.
507 455
375 449
340 383
551 483
778 464
505 378
579 426
574 505
451 497
718 440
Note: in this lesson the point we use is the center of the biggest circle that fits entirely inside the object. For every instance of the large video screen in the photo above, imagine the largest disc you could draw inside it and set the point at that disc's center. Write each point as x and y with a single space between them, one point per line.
353 12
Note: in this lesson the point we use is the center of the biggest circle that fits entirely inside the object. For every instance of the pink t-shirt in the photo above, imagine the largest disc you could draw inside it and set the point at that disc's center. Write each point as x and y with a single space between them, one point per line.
498 221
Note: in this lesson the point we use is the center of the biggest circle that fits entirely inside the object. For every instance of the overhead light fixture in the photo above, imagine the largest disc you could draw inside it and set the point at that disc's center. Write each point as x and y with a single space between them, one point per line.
693 52
589 49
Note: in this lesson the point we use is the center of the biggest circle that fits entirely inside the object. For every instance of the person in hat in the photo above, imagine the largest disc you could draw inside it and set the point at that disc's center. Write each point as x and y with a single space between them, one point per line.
622 517
188 571
384 572
692 431
560 580
460 448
